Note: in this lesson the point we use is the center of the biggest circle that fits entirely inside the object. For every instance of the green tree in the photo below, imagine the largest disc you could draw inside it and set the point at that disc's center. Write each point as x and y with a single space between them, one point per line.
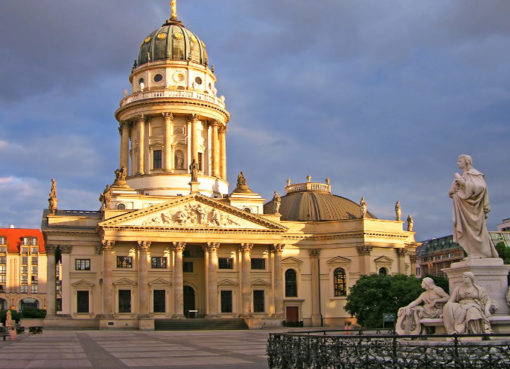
503 251
374 295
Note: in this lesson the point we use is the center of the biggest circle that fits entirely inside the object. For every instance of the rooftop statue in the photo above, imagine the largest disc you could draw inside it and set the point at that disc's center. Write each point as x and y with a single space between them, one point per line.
106 197
277 202
470 211
193 168
52 199
241 180
433 299
398 211
363 207
120 177
410 223
468 309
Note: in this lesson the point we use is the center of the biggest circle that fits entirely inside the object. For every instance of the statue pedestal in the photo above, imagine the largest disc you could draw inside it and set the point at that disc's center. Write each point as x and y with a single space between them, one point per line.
490 273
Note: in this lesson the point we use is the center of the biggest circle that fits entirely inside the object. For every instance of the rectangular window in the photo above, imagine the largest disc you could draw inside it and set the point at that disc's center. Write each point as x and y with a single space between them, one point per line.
58 304
24 279
226 263
2 240
34 269
34 279
3 249
159 301
24 289
156 159
82 301
258 301
2 278
124 301
124 262
33 288
158 262
226 301
24 260
34 260
35 250
3 269
3 259
258 263
82 264
200 162
187 266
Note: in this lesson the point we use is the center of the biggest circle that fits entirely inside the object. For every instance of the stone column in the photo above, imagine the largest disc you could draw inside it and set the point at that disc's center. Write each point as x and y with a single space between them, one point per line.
143 284
51 285
314 268
364 252
212 286
141 143
124 145
215 150
178 280
109 264
223 153
66 278
245 278
205 248
412 259
401 257
278 280
194 138
167 157
146 147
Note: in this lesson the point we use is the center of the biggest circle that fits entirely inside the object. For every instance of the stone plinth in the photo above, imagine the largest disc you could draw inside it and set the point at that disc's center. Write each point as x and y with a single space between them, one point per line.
490 273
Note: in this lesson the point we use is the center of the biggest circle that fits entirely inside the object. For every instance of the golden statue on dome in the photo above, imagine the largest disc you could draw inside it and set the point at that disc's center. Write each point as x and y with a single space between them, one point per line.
173 7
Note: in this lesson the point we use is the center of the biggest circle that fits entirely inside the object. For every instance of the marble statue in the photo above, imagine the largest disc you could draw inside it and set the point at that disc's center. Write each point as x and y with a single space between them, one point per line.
410 223
120 177
277 202
52 199
179 160
241 180
363 207
398 211
468 309
470 211
193 168
433 299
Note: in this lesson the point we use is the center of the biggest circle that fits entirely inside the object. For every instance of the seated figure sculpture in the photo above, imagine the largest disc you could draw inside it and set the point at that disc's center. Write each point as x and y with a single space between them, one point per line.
409 316
469 308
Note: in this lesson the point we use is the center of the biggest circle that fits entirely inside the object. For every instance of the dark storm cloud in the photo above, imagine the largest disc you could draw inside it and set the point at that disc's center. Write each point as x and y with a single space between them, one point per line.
380 96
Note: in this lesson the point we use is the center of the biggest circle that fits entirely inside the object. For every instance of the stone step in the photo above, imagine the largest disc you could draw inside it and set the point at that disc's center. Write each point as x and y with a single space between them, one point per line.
199 324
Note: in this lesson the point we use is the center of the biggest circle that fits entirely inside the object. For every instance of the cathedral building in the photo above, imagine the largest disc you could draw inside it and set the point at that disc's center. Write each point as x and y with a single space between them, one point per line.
171 241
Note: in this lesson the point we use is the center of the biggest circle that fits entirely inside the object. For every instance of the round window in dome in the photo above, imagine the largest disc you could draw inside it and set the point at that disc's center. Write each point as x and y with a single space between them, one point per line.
158 78
178 77
198 80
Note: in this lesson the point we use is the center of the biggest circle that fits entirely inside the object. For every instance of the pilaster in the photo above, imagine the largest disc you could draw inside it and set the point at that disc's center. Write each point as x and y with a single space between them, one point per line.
245 278
65 252
167 157
143 286
178 280
141 144
212 285
51 286
278 280
314 267
364 252
109 264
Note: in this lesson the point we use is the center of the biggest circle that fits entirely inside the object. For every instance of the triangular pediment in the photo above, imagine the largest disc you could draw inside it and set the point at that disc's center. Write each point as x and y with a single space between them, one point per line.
124 282
192 212
260 283
82 283
159 282
339 260
227 283
291 260
383 260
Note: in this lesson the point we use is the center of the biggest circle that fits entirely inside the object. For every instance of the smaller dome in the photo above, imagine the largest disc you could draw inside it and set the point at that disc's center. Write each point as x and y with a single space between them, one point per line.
314 202
172 41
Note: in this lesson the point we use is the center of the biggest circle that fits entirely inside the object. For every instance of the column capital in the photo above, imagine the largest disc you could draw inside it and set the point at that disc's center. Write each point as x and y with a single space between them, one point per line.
193 118
278 247
364 249
246 247
108 245
214 123
65 249
412 258
222 129
401 252
142 118
212 246
314 252
144 245
50 249
168 116
179 246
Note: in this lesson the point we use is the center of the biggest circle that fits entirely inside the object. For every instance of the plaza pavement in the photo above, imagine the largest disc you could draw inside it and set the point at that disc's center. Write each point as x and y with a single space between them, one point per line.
56 349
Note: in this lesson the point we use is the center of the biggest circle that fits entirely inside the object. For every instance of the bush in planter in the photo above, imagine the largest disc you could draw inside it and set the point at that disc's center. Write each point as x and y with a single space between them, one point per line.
31 312
14 314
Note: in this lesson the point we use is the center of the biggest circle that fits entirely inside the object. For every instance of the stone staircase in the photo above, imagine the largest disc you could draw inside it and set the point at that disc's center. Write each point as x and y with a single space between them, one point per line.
199 324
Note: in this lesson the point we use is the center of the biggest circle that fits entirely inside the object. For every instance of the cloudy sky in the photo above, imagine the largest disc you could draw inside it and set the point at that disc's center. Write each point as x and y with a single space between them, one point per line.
380 96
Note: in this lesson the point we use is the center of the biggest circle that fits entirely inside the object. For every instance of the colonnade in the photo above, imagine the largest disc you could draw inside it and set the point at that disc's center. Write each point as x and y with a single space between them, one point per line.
211 278
135 146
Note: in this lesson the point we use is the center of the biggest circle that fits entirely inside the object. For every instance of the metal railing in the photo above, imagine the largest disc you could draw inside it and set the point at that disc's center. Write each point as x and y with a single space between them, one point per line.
362 349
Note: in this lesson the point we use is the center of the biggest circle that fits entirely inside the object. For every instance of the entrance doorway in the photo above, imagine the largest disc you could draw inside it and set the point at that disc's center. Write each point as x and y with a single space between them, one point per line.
189 302
292 314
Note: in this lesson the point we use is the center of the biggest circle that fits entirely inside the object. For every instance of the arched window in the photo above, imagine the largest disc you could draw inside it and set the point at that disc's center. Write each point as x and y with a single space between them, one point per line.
339 282
290 283
383 271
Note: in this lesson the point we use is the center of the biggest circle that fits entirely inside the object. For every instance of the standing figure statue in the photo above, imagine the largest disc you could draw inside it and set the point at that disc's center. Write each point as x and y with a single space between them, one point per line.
363 207
433 299
193 168
468 309
398 211
277 202
470 211
410 223
241 180
106 197
52 199
120 176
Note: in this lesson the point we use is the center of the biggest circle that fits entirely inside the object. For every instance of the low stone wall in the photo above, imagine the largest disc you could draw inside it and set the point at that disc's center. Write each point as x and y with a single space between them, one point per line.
68 323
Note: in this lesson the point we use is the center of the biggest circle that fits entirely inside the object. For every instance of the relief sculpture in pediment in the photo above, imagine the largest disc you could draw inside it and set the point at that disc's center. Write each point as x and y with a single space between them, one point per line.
192 215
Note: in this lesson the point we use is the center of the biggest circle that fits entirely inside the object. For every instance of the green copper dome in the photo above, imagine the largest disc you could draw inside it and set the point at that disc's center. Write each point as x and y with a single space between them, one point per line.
172 41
